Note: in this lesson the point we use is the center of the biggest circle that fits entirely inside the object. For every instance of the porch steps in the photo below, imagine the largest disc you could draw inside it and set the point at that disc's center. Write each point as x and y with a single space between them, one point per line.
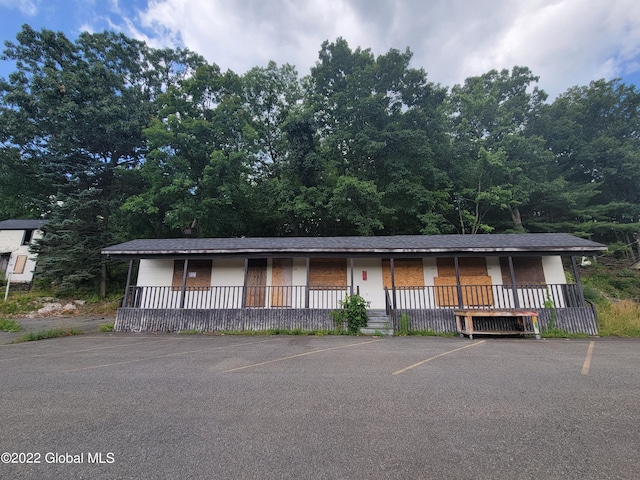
379 323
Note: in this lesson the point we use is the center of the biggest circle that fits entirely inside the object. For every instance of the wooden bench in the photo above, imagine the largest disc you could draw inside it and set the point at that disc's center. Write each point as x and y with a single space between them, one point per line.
465 318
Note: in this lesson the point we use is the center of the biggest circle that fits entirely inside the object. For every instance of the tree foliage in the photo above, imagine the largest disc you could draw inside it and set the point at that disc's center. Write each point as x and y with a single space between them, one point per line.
111 140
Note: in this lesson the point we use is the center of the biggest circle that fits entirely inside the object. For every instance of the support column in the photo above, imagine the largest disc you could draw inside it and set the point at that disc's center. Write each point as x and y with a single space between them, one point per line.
306 289
456 263
244 285
393 283
183 292
125 302
576 276
514 287
351 267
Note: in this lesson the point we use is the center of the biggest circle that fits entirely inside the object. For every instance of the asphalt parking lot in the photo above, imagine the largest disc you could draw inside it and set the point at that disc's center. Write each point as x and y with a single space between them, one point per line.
119 406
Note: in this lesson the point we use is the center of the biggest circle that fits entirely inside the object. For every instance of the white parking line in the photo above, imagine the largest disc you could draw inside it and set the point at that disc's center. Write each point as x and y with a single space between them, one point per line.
436 356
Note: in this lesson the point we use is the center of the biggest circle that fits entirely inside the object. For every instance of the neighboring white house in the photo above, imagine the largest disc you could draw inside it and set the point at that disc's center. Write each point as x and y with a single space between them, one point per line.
16 261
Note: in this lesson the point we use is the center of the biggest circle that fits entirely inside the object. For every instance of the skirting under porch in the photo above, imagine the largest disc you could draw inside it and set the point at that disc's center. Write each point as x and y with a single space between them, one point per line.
578 320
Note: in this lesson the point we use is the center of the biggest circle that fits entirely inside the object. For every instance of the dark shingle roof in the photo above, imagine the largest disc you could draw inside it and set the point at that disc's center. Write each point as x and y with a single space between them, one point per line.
22 224
397 245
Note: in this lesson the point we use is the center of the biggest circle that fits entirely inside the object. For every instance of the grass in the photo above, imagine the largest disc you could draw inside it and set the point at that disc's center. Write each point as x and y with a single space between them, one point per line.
9 325
22 302
619 318
106 327
46 334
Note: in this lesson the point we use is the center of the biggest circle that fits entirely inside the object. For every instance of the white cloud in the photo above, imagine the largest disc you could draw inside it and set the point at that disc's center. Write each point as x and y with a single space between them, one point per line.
565 42
28 7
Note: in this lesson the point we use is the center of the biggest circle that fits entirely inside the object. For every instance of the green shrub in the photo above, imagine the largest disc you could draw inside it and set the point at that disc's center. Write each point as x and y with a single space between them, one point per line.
352 313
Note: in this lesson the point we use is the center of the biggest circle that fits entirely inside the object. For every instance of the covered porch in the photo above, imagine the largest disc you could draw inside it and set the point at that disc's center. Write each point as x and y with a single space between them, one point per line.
243 289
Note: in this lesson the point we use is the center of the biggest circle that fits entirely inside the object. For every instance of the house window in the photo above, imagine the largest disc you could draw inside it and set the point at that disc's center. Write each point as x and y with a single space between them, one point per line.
327 272
528 271
4 261
407 272
475 282
198 273
21 261
28 236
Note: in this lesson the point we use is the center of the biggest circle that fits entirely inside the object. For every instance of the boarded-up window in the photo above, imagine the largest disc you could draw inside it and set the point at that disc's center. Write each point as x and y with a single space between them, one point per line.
281 281
198 273
474 279
528 271
21 261
327 272
256 288
469 267
407 272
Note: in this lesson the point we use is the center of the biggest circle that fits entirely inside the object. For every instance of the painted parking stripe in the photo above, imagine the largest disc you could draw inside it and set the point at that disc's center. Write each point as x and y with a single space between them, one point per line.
208 349
282 359
587 361
436 356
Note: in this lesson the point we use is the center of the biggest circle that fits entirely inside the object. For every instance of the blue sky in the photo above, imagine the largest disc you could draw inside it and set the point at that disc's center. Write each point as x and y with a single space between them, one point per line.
562 41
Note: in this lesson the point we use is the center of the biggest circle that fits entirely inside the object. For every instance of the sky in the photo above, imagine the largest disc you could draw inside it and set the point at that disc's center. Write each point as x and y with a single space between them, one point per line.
565 42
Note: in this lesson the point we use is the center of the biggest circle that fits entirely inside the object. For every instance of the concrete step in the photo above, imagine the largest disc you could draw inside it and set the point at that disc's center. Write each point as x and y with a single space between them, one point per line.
378 323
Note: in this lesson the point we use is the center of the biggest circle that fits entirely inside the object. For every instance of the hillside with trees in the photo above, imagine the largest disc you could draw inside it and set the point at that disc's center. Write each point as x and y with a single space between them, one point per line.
112 140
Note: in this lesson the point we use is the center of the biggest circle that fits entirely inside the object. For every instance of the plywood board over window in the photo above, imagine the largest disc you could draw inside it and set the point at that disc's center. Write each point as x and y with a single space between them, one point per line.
528 270
21 261
474 279
281 282
198 273
327 272
256 282
407 272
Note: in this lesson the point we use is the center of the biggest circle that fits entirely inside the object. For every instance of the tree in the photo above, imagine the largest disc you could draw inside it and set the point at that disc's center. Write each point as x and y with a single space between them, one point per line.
72 119
69 258
497 163
593 133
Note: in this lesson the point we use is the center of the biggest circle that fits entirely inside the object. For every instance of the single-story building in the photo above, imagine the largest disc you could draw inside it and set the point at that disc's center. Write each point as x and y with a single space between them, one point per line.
215 284
17 263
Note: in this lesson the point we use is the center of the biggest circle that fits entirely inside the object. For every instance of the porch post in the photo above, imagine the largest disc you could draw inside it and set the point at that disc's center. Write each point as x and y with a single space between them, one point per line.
244 285
351 267
183 292
514 287
125 302
393 282
306 288
456 263
576 276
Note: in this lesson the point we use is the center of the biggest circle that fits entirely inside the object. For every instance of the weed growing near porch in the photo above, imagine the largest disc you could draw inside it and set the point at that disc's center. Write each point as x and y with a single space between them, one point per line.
52 333
106 327
9 325
353 313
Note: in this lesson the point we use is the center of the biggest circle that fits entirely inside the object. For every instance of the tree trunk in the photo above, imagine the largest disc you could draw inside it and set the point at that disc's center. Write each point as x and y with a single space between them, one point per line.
517 219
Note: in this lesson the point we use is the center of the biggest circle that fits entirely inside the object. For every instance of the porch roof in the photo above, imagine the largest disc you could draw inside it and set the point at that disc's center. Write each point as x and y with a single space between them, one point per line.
22 224
383 246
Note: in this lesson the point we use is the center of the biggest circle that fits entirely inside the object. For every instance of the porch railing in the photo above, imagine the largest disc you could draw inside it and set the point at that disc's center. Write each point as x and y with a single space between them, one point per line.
232 297
488 297
404 298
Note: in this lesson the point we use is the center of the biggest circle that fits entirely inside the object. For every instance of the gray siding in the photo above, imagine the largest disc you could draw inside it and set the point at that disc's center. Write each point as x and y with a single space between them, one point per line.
175 320
572 320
